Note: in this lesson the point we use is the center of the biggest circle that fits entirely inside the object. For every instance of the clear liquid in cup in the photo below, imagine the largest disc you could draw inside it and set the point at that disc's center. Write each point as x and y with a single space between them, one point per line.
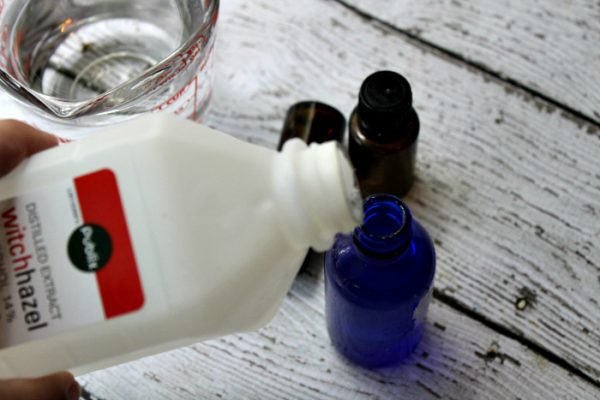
97 56
77 50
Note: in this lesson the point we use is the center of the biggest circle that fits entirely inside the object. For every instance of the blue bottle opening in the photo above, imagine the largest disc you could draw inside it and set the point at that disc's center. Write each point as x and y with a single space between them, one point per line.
386 228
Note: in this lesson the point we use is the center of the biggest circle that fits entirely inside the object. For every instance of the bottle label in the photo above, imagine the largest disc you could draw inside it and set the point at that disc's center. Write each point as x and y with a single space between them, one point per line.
66 259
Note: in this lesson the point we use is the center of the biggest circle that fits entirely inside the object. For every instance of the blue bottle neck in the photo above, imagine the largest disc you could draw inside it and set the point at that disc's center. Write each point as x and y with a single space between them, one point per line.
386 231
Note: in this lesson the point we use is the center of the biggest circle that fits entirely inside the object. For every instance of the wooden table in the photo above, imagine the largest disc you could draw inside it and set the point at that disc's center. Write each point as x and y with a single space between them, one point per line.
508 185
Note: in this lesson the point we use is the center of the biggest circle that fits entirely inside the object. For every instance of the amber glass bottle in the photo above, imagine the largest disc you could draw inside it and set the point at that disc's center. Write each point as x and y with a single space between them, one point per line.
384 128
313 122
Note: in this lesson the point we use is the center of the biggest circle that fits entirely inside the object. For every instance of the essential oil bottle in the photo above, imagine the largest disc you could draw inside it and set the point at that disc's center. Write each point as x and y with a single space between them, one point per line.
313 122
378 284
384 129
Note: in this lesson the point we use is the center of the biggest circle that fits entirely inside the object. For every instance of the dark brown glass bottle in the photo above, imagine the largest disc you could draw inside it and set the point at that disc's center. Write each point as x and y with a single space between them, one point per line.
313 122
384 129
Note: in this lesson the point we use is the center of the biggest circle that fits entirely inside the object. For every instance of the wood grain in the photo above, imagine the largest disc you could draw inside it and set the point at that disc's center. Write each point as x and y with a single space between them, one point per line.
507 185
548 46
292 359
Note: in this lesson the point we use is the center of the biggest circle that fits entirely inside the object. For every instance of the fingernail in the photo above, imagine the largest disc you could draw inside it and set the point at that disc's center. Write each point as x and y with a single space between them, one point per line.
74 391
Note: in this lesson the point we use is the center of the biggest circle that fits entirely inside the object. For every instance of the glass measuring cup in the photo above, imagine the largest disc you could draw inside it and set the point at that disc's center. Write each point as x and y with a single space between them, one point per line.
76 64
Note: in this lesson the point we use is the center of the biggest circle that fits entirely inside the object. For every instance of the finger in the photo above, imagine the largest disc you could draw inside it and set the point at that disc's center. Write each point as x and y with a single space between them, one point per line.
59 386
18 141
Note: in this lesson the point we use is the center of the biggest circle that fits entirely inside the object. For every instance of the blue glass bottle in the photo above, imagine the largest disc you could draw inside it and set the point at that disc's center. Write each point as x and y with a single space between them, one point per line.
378 283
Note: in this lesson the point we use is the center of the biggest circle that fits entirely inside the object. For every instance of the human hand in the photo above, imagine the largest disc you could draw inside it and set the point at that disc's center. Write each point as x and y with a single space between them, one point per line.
59 386
17 142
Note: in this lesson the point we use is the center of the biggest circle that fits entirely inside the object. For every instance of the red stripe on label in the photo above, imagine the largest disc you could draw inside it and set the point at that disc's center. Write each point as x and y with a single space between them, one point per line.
118 281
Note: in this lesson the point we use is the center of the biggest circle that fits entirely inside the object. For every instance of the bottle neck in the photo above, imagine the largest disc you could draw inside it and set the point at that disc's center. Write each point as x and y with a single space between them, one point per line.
316 191
386 231
394 130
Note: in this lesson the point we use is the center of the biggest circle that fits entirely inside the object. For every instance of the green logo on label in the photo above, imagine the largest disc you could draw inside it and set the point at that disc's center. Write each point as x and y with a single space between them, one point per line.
89 247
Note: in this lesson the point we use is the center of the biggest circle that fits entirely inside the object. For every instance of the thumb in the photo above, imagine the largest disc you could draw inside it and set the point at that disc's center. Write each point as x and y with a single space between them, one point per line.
18 141
59 386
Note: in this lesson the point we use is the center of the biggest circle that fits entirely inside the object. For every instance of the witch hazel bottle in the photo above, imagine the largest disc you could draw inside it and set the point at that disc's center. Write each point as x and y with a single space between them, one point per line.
378 284
156 234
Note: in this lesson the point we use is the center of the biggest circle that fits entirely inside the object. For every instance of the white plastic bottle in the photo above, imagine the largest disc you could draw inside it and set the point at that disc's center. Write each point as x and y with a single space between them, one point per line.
156 234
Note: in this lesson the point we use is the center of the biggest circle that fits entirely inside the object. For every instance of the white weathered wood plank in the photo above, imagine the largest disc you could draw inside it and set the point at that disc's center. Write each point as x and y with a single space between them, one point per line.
292 359
507 185
550 46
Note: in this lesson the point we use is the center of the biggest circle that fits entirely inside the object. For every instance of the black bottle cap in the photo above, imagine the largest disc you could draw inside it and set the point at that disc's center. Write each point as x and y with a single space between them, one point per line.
384 103
312 121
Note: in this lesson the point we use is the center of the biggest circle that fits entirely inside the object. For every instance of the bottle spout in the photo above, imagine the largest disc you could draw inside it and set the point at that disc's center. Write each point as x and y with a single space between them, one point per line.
316 188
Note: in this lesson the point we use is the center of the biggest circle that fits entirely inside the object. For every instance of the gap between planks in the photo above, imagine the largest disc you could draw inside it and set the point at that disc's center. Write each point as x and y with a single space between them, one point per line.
456 58
496 327
87 395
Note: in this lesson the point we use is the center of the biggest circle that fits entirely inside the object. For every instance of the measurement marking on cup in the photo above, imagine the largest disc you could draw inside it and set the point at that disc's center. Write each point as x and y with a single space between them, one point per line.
184 60
187 102
195 97
171 100
4 44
